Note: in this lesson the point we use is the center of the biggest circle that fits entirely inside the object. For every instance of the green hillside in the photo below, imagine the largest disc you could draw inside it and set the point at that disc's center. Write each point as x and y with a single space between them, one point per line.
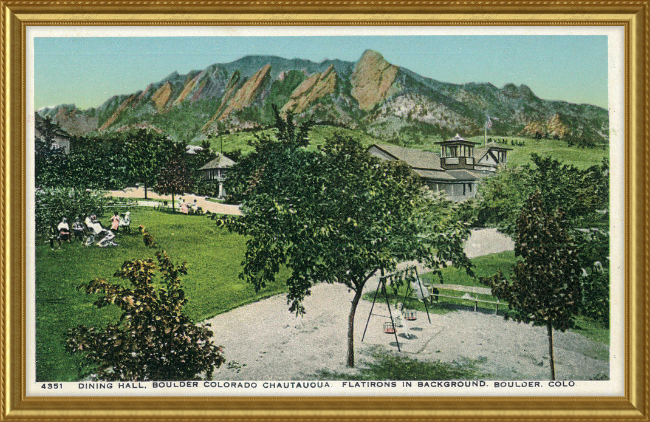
579 157
518 156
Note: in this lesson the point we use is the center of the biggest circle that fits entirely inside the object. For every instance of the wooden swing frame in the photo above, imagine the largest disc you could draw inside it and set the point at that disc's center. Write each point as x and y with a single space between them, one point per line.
382 284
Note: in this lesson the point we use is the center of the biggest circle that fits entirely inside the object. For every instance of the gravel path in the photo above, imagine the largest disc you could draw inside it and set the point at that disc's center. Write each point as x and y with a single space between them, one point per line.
263 341
214 207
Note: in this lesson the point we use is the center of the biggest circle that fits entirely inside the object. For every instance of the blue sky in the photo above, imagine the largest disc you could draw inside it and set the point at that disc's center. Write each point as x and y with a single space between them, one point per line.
87 71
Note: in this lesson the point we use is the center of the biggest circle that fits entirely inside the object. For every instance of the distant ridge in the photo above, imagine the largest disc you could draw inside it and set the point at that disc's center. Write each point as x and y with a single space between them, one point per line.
372 95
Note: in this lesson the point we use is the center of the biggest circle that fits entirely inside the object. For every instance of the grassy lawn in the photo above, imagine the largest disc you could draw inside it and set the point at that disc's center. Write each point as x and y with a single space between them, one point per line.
393 366
484 266
212 285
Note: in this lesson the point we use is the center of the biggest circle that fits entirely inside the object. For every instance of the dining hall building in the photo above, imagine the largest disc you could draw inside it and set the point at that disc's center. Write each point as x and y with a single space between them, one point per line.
456 170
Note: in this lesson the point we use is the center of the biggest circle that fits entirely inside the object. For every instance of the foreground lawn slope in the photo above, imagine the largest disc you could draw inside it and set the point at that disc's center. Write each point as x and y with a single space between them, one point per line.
212 284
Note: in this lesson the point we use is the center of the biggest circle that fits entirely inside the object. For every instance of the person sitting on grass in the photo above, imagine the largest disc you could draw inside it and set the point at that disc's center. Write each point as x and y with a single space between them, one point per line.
107 240
64 230
95 228
78 229
184 208
54 235
125 221
115 220
89 220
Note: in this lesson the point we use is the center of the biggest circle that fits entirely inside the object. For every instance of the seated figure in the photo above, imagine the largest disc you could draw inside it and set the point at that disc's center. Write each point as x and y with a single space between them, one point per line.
125 221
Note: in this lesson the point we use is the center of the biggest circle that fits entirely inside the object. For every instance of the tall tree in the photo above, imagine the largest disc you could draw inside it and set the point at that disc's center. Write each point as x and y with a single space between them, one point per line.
545 289
336 216
147 151
154 339
583 197
174 178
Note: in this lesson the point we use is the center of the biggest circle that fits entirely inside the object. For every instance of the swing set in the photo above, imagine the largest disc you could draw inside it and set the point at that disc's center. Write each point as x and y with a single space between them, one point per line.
397 279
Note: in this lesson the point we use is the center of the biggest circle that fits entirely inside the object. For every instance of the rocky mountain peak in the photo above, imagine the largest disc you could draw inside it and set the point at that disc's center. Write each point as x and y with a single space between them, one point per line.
372 79
313 88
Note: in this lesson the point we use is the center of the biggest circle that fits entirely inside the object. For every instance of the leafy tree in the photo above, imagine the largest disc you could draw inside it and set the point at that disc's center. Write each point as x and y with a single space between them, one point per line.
147 151
501 198
92 163
153 340
45 142
100 162
54 203
234 154
593 245
545 289
582 196
336 215
175 178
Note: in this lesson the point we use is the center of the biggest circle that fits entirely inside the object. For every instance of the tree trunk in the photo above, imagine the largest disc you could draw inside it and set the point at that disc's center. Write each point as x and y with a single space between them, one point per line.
172 201
353 309
549 330
145 190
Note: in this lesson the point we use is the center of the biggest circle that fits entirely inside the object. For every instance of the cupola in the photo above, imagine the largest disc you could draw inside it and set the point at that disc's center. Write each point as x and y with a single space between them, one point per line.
457 153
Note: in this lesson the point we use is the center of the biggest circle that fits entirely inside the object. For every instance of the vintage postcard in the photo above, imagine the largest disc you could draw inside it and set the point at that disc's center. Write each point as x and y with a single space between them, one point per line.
325 211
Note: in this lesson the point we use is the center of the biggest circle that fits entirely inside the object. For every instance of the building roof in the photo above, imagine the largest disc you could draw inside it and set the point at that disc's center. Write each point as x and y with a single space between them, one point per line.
193 149
481 174
218 163
494 145
480 152
428 164
450 175
414 158
435 175
462 175
457 140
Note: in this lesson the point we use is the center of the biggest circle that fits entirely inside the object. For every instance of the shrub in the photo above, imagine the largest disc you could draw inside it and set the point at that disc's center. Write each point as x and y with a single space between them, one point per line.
153 339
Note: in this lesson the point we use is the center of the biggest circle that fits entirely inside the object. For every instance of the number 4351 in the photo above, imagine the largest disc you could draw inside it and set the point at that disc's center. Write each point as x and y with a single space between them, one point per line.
52 386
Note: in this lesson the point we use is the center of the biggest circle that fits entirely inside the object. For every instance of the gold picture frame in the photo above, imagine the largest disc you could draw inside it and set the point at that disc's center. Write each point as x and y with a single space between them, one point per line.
17 15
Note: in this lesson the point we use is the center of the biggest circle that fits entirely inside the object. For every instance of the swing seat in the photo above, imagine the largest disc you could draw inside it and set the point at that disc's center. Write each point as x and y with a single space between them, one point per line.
409 315
389 328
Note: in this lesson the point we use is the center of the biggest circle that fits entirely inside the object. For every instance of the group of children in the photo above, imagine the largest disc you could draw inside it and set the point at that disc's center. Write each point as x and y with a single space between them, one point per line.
88 230
185 207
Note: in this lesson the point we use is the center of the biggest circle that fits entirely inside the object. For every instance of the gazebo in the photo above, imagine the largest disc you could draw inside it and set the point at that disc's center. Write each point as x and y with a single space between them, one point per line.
215 171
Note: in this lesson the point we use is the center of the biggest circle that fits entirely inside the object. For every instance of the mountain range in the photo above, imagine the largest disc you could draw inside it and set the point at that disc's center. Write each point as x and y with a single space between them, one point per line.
372 95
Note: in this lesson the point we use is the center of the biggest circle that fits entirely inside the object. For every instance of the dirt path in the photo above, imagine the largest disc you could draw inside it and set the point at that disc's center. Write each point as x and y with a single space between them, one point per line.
263 341
214 207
